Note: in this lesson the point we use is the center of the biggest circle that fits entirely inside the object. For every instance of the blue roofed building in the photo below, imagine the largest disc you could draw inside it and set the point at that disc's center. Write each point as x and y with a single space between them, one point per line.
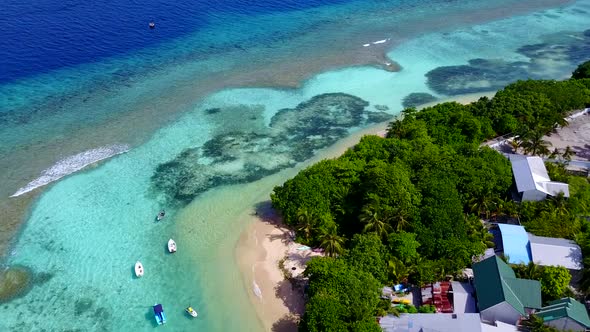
521 248
515 243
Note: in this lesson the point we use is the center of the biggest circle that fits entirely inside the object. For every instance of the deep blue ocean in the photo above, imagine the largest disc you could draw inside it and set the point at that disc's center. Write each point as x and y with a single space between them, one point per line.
40 36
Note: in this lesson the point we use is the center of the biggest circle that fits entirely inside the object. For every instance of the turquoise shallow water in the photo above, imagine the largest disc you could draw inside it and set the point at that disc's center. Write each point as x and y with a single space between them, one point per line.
85 232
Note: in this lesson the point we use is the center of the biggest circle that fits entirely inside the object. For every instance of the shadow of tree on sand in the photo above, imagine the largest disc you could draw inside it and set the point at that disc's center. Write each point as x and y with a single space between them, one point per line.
287 323
266 213
291 292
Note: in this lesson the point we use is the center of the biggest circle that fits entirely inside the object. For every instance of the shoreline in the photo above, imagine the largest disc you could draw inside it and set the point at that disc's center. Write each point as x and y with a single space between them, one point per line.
280 73
265 242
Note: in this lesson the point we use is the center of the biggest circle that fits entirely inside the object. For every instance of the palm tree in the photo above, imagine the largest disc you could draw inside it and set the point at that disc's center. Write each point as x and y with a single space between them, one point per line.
398 271
482 205
554 154
478 232
486 238
514 144
395 129
306 222
568 153
558 204
507 208
532 142
375 223
560 122
532 271
331 242
401 218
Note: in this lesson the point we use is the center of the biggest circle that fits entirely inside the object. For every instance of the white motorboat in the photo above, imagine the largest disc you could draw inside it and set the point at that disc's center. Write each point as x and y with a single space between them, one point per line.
171 246
191 311
138 269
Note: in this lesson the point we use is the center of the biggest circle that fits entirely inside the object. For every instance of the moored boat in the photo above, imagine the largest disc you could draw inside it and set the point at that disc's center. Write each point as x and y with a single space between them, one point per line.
171 246
159 314
138 269
191 311
161 215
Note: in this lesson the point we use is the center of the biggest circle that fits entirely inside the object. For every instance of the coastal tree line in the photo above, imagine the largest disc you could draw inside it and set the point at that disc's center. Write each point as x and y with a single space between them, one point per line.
407 208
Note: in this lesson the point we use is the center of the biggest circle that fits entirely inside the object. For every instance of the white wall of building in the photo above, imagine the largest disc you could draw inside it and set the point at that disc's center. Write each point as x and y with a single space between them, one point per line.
502 312
566 324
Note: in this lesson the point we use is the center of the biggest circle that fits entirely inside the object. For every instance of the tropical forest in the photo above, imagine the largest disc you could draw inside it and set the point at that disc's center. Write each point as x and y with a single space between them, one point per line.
408 208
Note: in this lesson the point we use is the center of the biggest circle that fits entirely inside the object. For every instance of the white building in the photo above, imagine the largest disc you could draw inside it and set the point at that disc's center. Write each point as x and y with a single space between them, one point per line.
431 323
532 181
547 251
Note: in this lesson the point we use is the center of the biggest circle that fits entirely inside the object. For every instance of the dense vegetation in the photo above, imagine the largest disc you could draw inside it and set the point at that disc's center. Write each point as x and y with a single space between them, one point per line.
554 279
583 71
407 208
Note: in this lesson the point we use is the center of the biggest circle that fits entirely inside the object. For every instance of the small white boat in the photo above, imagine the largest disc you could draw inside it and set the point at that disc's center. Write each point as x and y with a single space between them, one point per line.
138 269
191 311
171 246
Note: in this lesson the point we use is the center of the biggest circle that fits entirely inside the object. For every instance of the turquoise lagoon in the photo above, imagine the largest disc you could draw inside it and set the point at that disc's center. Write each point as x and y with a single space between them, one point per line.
86 231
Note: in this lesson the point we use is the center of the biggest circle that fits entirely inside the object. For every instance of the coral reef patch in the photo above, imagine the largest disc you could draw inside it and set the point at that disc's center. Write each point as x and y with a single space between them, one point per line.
417 98
15 281
558 53
244 155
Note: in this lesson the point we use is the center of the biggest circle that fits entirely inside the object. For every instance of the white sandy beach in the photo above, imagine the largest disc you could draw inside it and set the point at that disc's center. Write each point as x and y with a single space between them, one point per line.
576 135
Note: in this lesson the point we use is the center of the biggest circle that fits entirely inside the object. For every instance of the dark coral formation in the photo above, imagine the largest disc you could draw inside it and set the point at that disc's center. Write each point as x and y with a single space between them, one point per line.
417 99
213 110
563 51
15 281
478 76
42 277
82 305
240 155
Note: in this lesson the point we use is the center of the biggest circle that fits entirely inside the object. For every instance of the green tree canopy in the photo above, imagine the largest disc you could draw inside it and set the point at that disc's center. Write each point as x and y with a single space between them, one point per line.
554 281
404 246
353 293
367 253
583 71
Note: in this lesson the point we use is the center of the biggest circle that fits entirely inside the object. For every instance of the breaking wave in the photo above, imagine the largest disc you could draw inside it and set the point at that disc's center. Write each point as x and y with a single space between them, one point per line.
72 164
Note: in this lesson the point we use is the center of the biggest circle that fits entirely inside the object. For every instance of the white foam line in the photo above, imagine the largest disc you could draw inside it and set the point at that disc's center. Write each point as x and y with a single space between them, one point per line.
380 41
72 164
377 42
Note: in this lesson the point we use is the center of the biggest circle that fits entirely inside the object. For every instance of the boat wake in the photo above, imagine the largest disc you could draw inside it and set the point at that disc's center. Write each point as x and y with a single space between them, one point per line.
72 164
